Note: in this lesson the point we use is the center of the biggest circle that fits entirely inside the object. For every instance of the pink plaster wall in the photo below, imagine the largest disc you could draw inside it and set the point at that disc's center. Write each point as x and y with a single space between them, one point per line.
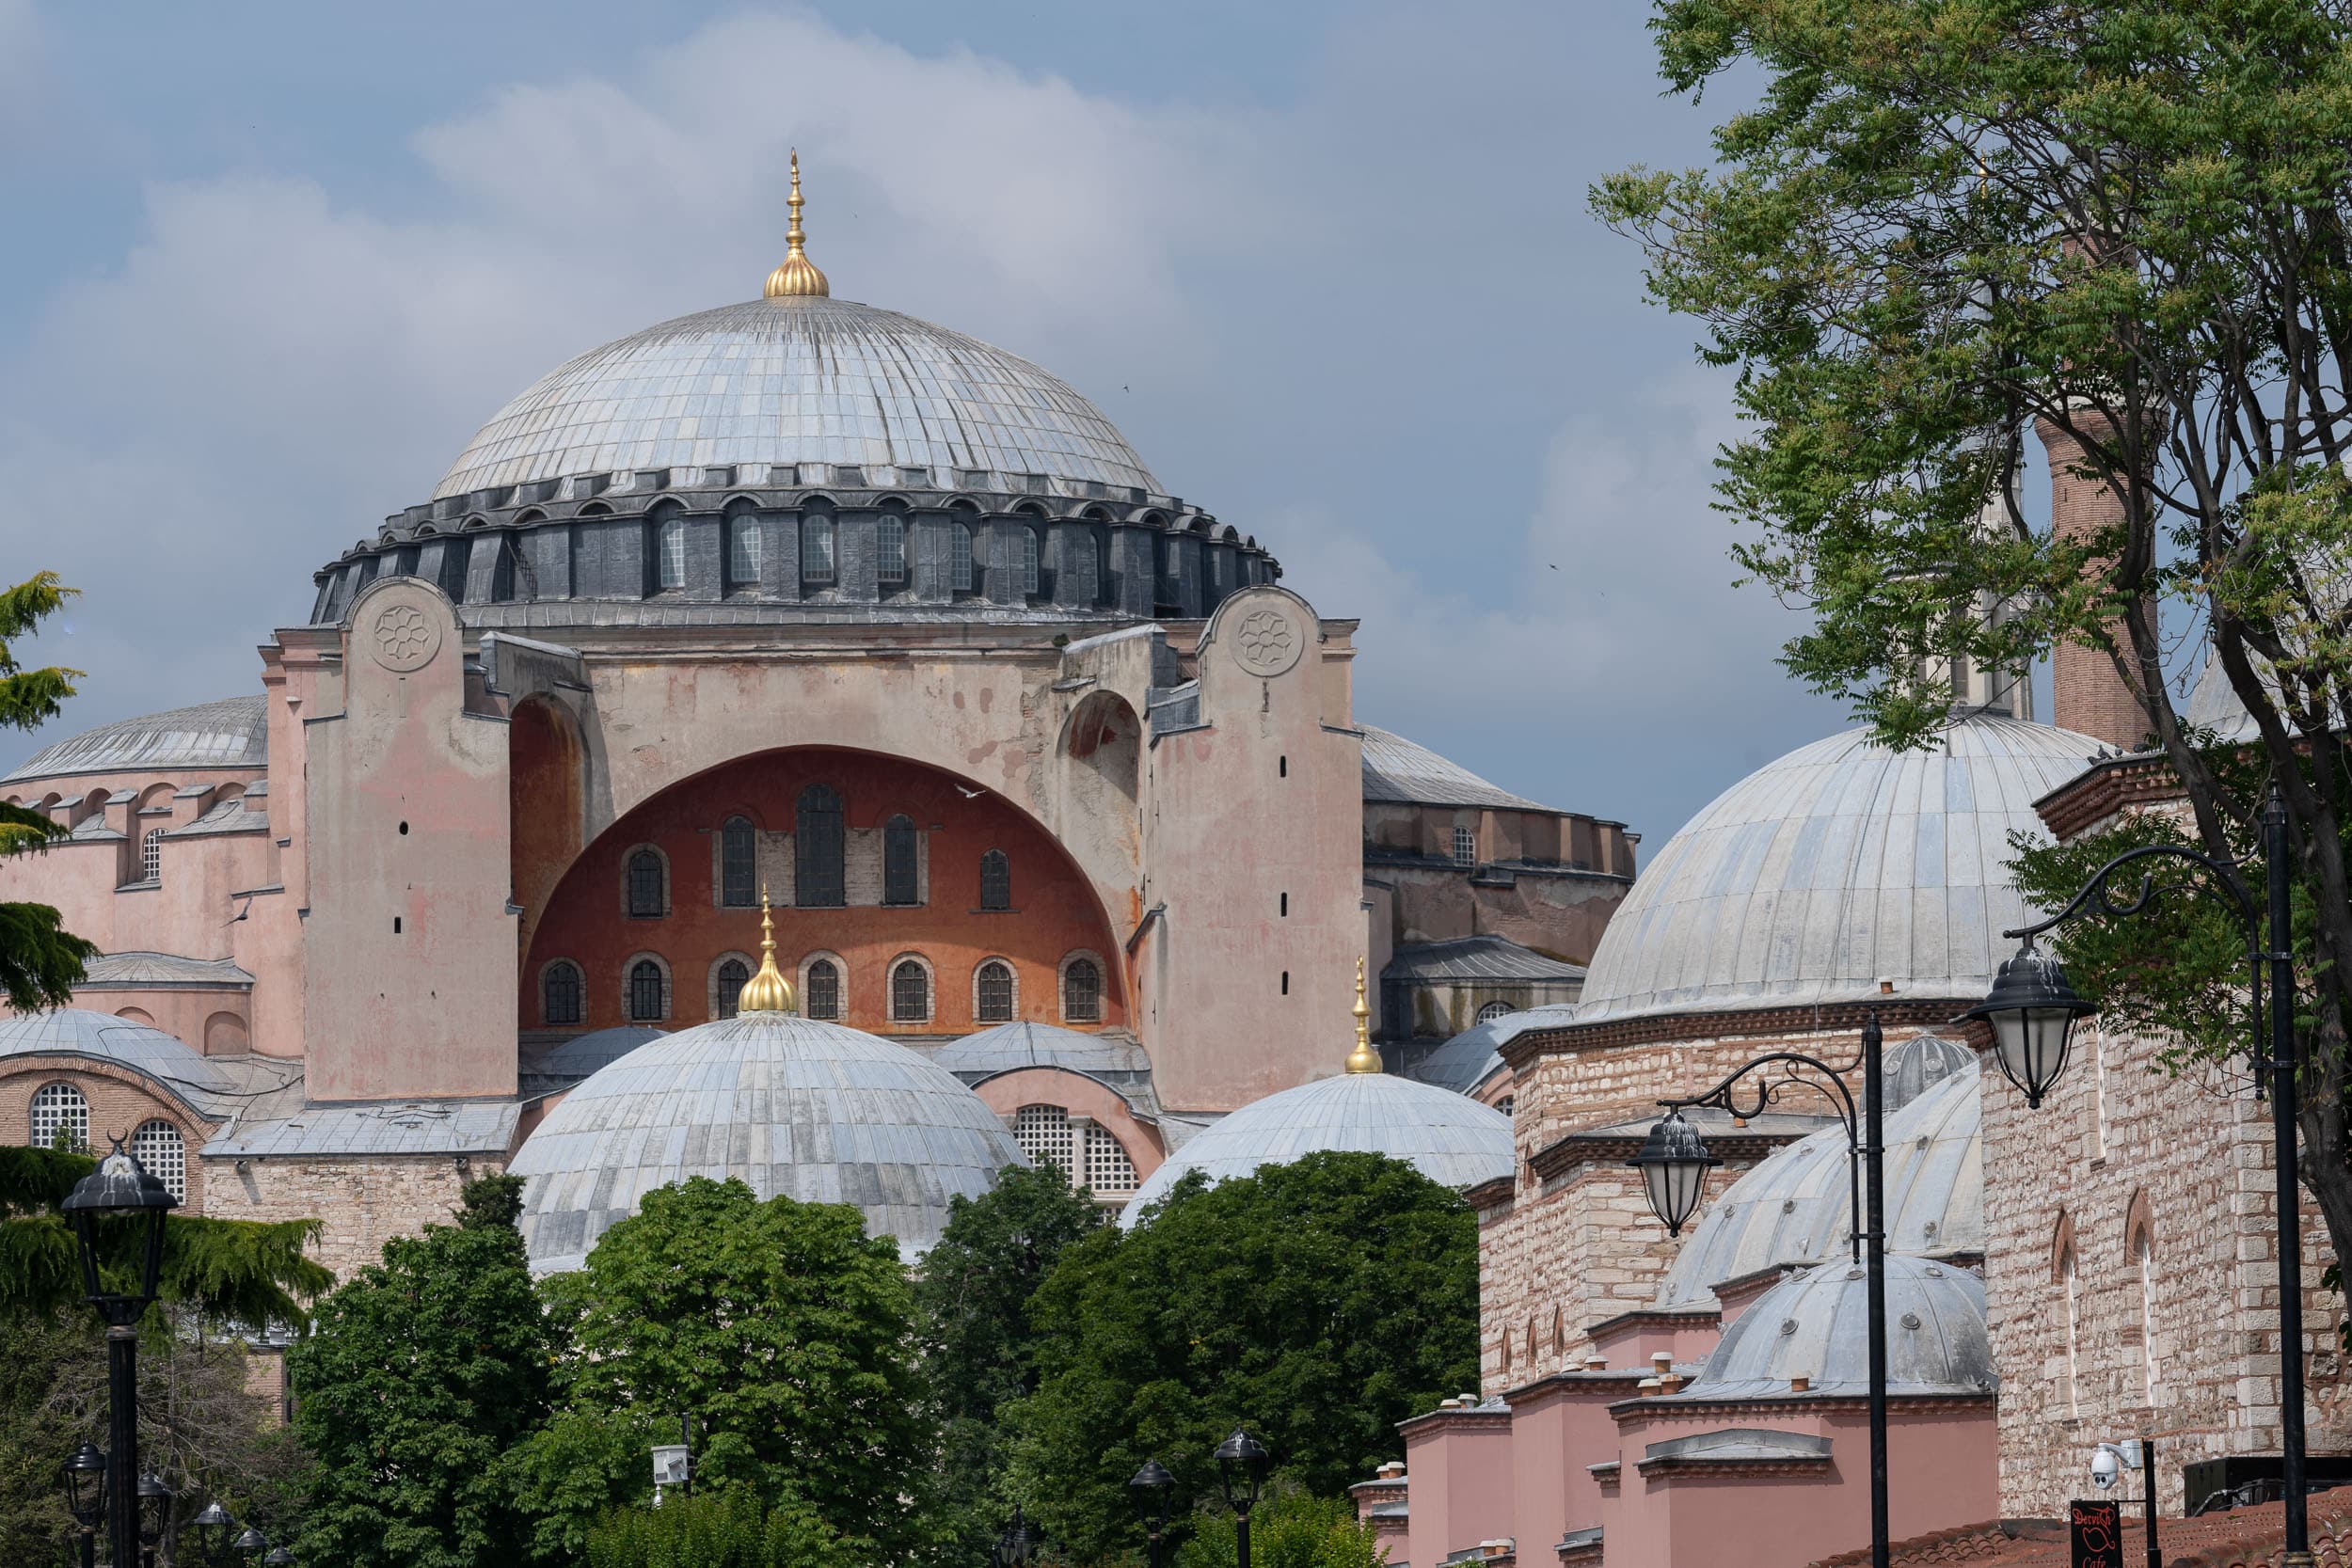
1459 1462
1079 1095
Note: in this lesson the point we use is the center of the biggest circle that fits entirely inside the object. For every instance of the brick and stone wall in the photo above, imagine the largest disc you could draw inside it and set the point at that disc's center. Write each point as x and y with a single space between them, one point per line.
120 1099
362 1202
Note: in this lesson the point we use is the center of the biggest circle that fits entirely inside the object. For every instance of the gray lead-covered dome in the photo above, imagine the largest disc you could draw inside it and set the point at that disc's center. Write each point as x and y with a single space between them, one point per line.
1840 864
1816 1325
803 379
790 1105
231 733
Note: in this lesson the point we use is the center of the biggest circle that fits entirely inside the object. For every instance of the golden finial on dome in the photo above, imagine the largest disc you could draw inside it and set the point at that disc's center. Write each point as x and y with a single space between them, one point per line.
1363 1058
767 991
798 275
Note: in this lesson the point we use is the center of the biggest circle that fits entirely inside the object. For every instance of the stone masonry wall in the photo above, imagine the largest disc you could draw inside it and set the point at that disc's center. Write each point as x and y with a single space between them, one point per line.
363 1202
2120 1146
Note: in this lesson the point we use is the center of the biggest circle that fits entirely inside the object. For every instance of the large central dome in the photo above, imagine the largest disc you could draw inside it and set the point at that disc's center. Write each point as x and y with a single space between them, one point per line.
798 379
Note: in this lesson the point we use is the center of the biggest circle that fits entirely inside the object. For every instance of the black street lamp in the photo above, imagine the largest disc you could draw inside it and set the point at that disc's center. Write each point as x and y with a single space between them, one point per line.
249 1546
154 1506
86 1496
2032 1018
213 1527
1018 1545
1243 1459
1151 1488
121 1187
279 1557
1674 1162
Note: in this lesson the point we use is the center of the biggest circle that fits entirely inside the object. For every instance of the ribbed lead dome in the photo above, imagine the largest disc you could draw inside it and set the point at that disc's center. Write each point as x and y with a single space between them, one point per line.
1838 865
787 1104
1816 1325
799 379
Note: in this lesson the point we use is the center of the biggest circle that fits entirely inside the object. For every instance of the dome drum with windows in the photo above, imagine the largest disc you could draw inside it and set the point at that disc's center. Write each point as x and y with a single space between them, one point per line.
799 456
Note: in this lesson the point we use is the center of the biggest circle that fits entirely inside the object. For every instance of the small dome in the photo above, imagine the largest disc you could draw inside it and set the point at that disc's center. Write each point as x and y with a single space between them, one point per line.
576 1058
1010 1046
1449 1137
1838 865
1794 1207
178 1068
1475 1055
1816 1325
231 733
790 1105
797 379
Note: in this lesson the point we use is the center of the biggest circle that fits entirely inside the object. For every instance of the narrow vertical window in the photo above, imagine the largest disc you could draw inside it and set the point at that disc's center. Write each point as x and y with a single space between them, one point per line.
732 975
816 550
994 992
1082 992
673 552
1083 576
817 849
2143 1255
995 881
890 549
1464 846
960 557
560 998
151 855
648 891
909 992
821 996
2073 1324
502 574
739 864
644 992
743 550
899 884
1030 556
158 1146
453 553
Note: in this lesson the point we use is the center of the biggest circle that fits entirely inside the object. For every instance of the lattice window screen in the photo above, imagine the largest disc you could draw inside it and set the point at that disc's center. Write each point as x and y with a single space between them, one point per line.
159 1146
1108 1170
1043 1133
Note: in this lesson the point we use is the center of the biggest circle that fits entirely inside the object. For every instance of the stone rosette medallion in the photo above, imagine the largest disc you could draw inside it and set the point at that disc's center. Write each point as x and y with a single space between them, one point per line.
1268 642
404 638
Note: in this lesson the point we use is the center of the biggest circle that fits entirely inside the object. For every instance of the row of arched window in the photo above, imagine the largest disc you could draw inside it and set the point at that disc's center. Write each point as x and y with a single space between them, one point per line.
820 863
2066 1272
909 990
59 1114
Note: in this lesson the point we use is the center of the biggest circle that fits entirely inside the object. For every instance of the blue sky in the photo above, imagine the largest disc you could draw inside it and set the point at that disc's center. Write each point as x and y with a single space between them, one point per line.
1327 266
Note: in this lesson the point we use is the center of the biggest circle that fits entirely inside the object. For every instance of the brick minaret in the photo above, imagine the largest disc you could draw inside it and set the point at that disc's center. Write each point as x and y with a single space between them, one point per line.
2087 692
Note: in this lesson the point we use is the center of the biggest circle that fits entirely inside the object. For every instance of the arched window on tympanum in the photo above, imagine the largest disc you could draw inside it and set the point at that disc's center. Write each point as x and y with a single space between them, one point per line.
648 890
822 996
909 992
646 990
732 975
993 992
739 864
561 993
995 881
900 885
61 1115
1082 991
1108 1168
817 849
158 1146
1044 1134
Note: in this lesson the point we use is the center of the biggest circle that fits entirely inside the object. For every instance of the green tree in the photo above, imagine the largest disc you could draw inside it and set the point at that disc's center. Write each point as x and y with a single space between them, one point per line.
421 1376
726 1530
784 1330
2128 223
40 961
1292 1531
972 1300
1318 1303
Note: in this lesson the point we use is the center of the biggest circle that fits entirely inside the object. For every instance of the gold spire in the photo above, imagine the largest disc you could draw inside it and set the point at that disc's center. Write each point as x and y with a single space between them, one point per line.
767 991
798 275
1363 1058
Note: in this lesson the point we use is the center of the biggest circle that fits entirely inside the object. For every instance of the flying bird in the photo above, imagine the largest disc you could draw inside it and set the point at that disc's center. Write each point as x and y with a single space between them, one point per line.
970 793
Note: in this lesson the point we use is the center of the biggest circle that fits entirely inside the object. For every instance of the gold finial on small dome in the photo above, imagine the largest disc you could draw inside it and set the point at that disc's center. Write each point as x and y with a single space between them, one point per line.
767 991
798 275
1363 1058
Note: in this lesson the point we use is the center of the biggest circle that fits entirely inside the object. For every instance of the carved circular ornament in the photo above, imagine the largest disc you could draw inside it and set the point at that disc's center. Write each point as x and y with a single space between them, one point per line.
1268 642
405 638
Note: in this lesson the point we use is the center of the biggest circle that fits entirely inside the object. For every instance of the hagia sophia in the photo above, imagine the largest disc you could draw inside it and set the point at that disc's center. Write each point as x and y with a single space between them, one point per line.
801 742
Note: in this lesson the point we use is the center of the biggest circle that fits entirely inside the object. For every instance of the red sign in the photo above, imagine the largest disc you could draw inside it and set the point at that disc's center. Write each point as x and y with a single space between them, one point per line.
2096 1532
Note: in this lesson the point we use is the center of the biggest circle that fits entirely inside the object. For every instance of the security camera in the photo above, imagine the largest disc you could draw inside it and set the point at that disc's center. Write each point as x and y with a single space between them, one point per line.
2105 1466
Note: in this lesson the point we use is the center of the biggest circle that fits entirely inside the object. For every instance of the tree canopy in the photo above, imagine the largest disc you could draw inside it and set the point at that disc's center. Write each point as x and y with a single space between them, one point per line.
1937 222
40 961
1317 1303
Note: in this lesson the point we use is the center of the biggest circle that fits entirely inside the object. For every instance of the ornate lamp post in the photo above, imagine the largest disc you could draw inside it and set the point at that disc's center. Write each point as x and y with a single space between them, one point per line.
1674 1162
1151 1488
249 1546
121 1187
2032 1013
154 1513
1017 1546
1241 1463
213 1527
86 1496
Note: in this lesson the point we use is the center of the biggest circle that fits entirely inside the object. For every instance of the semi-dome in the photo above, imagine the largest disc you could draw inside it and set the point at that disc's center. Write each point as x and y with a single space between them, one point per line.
170 1062
1838 865
787 1104
1009 1047
798 379
1816 1325
1795 1206
231 733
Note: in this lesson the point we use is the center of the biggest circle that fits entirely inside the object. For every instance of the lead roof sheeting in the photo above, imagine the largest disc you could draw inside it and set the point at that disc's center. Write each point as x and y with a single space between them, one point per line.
1838 865
230 816
1475 1055
1018 1045
1816 1325
163 968
231 733
1399 770
798 380
186 1073
1485 957
389 1129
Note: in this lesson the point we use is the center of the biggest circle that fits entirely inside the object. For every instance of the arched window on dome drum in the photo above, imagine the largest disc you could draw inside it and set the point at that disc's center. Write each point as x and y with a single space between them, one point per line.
1491 1011
1031 552
151 855
890 549
995 881
60 1114
1082 992
960 557
561 993
1464 846
909 992
994 992
899 882
158 1146
739 864
454 554
823 991
670 543
404 560
1108 1170
816 569
743 550
1085 575
1044 1134
817 849
647 897
732 975
644 992
502 574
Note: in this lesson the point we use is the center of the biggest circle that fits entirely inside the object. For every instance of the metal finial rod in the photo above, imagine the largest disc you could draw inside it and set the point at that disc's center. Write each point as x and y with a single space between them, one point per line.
798 277
1363 1058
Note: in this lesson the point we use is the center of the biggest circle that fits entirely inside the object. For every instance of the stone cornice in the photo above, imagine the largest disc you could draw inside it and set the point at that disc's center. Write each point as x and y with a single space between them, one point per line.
2104 788
1455 1421
1807 1019
1626 1411
1654 1317
1494 1193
